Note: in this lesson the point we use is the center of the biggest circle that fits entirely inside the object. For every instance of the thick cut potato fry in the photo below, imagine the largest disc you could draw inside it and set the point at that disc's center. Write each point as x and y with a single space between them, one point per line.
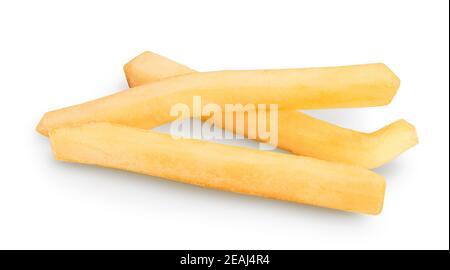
304 135
297 132
150 67
279 176
149 105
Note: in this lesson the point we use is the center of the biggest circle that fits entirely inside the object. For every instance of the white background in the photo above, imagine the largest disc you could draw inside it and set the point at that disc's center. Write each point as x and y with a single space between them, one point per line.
58 53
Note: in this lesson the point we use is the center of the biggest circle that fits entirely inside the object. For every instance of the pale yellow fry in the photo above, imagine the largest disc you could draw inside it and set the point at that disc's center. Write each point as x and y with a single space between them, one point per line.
149 105
273 175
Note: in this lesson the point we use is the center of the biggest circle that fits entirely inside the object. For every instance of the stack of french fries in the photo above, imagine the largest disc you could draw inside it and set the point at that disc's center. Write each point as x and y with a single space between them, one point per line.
329 165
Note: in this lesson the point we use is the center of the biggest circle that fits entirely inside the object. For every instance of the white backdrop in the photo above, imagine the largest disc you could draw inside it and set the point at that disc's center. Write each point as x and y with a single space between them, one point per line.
56 53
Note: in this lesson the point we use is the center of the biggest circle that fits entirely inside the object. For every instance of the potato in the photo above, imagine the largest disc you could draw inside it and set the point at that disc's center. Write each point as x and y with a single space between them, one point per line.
149 105
273 175
297 132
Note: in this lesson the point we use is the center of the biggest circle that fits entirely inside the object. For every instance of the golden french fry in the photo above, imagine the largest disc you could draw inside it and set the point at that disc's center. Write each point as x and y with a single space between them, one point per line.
297 132
307 136
149 105
273 175
149 67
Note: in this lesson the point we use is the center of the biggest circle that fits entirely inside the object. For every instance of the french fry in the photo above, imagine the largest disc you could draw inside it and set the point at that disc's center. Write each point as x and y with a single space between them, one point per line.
307 136
149 67
297 132
149 105
273 175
